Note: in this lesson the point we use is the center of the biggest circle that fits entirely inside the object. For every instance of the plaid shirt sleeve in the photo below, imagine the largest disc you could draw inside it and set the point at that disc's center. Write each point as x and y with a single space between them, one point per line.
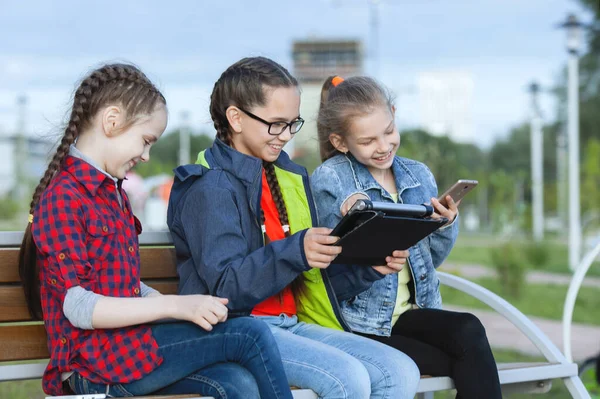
59 235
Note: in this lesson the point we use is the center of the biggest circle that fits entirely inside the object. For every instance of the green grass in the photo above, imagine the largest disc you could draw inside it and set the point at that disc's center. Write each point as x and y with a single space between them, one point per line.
539 300
476 250
558 390
31 389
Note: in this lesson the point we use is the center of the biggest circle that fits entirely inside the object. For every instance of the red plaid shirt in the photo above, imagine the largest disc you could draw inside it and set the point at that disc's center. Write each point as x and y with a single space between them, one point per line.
85 238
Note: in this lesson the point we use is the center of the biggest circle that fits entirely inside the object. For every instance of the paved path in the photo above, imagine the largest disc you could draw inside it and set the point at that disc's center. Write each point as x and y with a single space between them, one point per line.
502 334
473 271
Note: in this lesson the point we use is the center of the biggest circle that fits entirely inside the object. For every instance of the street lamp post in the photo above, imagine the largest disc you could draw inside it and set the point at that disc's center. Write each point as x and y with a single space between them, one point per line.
537 160
573 28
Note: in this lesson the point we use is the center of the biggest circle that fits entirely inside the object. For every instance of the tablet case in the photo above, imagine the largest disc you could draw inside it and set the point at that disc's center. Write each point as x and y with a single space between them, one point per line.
368 234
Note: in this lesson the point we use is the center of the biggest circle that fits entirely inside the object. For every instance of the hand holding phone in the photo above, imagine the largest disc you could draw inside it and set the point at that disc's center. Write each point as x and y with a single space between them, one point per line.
457 191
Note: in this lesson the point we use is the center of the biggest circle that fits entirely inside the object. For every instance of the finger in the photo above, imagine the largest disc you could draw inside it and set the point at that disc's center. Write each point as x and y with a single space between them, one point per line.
221 311
396 266
324 239
211 317
319 265
453 207
321 258
400 261
324 231
384 269
345 208
438 205
325 249
401 253
224 301
450 201
215 306
204 324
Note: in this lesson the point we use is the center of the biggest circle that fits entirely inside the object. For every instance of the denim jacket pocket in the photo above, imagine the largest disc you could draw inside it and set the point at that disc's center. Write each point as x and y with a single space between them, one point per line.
356 307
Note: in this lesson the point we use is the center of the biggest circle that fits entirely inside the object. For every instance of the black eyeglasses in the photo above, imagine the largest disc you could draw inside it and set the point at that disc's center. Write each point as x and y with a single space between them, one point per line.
276 128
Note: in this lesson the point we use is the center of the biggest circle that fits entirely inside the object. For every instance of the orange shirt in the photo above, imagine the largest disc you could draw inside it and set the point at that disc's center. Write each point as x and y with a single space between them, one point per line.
284 301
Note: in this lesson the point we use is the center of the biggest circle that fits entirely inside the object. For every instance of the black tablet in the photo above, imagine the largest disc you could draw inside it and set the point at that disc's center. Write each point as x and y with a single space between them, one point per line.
372 231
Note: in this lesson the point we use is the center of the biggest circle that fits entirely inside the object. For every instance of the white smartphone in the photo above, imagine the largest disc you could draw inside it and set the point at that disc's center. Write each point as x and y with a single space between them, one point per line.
458 190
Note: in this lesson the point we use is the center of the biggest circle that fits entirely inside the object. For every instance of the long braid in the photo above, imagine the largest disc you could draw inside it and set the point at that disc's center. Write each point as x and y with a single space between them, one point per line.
115 83
71 133
28 268
298 286
277 197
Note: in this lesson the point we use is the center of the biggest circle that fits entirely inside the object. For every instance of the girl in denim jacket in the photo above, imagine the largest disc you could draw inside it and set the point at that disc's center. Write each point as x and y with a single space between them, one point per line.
242 225
401 305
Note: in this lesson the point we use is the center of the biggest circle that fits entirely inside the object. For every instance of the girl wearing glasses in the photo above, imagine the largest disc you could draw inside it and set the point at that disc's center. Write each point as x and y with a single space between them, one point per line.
241 220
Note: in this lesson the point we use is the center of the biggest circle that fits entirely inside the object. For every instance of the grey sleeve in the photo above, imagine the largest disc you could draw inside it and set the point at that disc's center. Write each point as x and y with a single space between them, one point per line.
79 305
145 290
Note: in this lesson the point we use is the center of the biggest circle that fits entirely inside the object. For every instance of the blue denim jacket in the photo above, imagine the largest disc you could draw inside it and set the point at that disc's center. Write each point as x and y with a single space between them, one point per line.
370 310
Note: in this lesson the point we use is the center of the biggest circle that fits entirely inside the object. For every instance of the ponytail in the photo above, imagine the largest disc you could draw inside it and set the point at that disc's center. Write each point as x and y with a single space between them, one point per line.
342 101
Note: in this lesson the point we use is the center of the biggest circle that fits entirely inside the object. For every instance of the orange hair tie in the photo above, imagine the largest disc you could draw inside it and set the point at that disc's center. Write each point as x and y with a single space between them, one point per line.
336 81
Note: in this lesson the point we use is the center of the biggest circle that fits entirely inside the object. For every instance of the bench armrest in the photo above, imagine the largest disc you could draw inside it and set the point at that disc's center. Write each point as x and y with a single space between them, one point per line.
512 314
574 286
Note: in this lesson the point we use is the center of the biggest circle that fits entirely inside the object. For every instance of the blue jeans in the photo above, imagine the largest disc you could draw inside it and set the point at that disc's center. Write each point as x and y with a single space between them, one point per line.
237 359
337 364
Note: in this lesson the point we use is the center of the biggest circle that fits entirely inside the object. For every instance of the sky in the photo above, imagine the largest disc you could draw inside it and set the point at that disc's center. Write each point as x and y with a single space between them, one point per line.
184 45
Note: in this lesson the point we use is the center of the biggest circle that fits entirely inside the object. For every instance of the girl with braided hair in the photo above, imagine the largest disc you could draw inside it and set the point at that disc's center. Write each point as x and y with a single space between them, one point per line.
80 268
242 224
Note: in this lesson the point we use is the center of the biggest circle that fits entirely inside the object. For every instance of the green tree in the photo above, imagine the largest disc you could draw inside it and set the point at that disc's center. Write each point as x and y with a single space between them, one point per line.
590 187
165 153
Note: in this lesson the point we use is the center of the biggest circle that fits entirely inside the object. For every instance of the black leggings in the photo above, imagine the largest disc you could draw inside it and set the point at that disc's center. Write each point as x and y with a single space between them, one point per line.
444 343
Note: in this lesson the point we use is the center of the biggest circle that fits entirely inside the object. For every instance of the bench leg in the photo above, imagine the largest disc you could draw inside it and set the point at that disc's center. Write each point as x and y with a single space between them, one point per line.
576 388
425 395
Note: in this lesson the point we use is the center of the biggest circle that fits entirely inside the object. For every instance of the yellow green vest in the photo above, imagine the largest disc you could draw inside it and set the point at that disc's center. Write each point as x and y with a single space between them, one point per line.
314 305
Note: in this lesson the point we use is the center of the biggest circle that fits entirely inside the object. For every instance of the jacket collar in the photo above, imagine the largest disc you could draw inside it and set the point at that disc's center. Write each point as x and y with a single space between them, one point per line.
245 167
364 180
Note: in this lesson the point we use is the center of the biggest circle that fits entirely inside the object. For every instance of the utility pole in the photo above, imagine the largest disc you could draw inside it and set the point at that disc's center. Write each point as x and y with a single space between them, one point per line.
537 161
573 28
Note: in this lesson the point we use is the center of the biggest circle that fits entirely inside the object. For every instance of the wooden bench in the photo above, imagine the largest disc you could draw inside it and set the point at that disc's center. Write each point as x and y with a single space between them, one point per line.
25 341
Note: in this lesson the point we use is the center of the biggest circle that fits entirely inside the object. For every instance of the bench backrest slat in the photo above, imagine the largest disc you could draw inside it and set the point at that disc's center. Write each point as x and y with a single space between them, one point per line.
19 341
23 342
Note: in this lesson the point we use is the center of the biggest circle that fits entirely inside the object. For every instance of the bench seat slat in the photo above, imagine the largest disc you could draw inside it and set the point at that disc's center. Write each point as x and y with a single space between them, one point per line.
510 373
